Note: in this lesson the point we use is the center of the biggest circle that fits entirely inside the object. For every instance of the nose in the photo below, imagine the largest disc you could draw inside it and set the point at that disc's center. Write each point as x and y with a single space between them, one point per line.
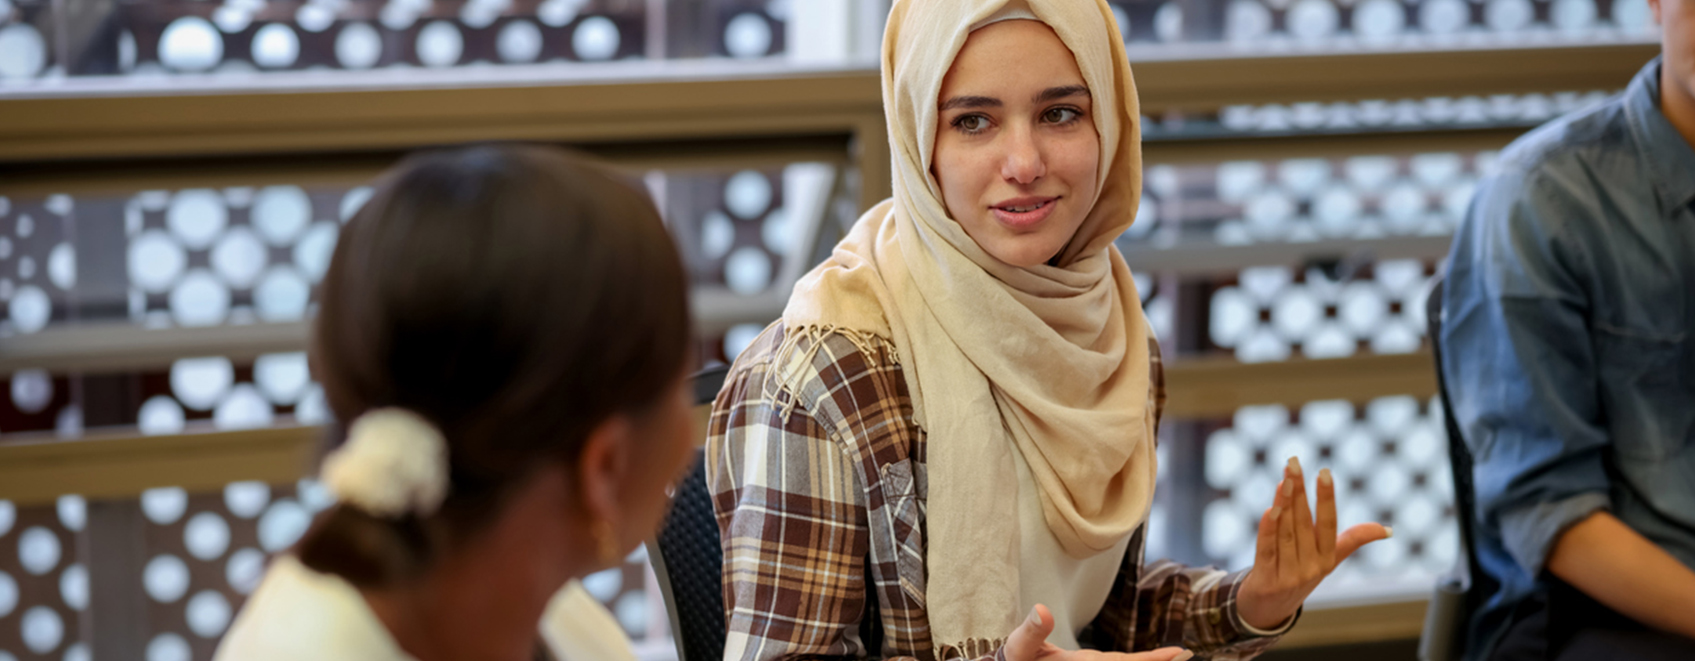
1022 161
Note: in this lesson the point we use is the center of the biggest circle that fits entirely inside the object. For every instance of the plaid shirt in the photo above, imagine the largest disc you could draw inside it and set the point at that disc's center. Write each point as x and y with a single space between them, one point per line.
820 493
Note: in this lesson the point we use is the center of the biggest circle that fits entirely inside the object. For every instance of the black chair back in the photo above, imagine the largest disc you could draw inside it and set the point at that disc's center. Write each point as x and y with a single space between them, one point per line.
688 559
1463 590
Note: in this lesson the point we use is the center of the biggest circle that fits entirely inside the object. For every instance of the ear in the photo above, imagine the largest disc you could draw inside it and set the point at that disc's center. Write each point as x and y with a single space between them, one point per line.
601 468
1655 6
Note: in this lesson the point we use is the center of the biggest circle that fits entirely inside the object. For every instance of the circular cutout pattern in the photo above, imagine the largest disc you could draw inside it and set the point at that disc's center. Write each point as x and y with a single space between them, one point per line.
596 38
206 536
169 647
717 235
244 408
62 266
520 41
246 567
275 46
208 613
73 512
1443 16
747 35
42 630
73 587
200 382
312 254
164 505
282 525
155 261
247 499
312 409
747 271
38 550
32 390
354 201
23 52
239 257
282 377
739 337
165 578
281 213
282 295
199 300
440 44
604 585
358 46
161 414
747 194
8 594
1378 21
197 217
30 309
1313 19
191 43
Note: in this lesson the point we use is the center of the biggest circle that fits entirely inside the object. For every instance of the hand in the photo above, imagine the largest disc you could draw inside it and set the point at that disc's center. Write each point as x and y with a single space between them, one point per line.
1295 555
1029 642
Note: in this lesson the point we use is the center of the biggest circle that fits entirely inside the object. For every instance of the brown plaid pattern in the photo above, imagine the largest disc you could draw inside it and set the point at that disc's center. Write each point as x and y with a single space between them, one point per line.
820 488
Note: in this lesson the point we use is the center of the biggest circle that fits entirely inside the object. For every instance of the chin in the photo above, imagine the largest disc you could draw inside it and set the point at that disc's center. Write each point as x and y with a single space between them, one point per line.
1024 254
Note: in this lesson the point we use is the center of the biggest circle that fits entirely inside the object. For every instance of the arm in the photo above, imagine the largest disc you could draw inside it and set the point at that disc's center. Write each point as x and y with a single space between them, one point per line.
1164 604
1618 567
793 527
1522 377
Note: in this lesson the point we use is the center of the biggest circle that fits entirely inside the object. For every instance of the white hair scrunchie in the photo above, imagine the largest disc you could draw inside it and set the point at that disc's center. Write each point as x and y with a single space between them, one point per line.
393 463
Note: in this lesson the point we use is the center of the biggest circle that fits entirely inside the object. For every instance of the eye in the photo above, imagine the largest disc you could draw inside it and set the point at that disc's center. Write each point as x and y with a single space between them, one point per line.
1061 115
971 123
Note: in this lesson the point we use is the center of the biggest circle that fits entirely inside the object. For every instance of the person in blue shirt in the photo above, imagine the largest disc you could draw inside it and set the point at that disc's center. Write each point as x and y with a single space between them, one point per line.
1570 362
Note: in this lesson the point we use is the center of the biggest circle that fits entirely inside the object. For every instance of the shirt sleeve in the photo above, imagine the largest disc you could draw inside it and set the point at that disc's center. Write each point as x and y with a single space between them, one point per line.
793 528
1163 603
1519 363
792 508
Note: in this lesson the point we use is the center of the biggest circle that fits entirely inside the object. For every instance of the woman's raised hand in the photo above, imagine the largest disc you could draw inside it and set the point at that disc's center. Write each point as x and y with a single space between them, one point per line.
1295 554
1029 642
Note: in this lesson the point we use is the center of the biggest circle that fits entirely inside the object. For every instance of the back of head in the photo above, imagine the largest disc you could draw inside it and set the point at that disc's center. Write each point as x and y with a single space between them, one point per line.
512 296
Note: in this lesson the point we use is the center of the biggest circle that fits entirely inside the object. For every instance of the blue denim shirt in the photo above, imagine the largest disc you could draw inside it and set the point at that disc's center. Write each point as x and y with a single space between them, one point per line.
1568 308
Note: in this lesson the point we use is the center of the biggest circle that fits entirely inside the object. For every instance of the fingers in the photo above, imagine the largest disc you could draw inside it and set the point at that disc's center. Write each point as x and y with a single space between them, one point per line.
1304 544
1161 654
1353 538
1027 641
1265 556
1288 554
1326 521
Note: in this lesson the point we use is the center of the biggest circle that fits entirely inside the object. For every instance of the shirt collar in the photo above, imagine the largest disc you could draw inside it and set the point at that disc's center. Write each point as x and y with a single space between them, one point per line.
1670 156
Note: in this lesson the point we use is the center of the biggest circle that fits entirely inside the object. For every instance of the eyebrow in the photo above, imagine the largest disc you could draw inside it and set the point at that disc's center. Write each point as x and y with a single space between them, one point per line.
1044 96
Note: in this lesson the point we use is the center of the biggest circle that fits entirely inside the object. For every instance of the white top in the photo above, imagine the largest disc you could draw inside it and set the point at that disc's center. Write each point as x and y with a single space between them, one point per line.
297 614
1074 590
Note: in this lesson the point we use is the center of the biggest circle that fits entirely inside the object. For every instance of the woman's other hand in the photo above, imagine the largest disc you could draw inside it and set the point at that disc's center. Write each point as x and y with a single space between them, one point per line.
1029 642
1295 553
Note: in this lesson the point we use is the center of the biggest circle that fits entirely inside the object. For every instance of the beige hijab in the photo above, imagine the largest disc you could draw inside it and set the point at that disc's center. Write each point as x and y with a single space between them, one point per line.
1047 361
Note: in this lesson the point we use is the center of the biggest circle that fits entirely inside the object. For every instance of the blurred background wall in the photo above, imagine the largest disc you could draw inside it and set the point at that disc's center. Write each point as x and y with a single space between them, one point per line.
173 174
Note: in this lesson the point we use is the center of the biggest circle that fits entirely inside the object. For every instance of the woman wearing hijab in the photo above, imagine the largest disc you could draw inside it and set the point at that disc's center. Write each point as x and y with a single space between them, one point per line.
954 420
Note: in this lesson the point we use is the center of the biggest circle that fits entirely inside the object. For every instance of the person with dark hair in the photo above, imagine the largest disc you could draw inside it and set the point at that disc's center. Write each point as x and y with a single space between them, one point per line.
1568 356
506 329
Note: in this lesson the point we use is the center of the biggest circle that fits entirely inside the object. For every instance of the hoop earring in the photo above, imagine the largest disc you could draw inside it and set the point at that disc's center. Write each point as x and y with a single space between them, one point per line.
608 543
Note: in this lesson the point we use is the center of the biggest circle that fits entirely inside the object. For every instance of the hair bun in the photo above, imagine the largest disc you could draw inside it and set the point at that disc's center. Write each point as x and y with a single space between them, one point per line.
394 463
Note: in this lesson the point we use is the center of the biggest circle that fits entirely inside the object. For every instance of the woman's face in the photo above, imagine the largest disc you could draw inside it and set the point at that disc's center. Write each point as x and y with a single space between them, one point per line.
1016 149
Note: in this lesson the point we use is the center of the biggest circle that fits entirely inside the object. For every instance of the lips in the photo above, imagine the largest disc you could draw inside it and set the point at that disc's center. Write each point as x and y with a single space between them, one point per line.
1024 212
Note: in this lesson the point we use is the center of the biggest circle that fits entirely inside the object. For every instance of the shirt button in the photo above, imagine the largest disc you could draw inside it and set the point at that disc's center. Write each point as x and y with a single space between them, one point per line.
1213 617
